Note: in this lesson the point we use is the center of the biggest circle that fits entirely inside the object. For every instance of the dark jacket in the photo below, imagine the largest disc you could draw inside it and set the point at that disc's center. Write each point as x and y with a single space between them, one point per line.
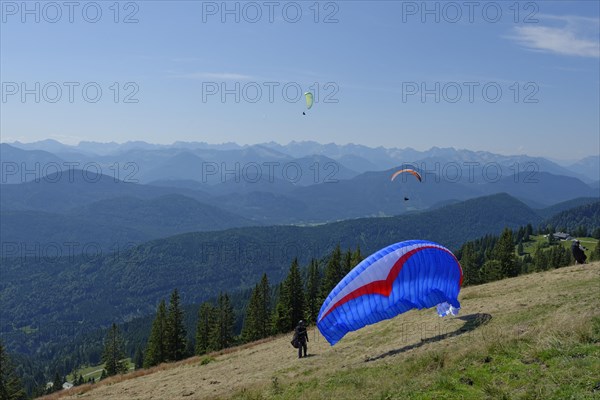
578 253
301 334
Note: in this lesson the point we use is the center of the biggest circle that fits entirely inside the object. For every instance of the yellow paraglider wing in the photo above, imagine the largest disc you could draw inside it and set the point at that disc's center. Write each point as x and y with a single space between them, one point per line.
309 100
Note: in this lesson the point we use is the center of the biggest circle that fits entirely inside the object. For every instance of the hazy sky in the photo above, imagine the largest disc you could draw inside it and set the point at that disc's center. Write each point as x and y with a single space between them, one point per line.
499 76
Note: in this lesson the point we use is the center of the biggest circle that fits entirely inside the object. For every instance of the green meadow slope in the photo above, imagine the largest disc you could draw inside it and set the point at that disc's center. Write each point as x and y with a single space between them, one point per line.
532 337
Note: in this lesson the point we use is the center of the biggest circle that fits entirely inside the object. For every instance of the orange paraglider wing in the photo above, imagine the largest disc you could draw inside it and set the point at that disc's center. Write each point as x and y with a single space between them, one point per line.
410 171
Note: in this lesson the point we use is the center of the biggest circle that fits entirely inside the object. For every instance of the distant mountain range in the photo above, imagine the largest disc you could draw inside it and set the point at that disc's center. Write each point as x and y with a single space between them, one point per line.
151 158
148 191
589 166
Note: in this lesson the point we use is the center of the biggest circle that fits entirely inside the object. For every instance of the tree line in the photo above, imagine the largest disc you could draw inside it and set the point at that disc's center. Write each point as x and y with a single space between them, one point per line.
492 258
269 311
274 310
579 221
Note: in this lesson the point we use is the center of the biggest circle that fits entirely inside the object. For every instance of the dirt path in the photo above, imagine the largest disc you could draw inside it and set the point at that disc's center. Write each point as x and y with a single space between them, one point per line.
92 373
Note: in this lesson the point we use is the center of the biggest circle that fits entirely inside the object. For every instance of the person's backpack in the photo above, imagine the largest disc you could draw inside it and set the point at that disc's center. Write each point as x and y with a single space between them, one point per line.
295 342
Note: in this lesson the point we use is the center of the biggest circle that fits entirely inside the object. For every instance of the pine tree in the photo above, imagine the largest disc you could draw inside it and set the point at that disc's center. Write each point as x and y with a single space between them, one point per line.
540 260
296 294
190 347
175 330
356 257
264 316
581 231
291 302
57 383
559 257
492 271
332 274
552 257
313 304
520 250
526 264
281 318
528 232
221 336
138 358
156 351
504 252
113 354
251 320
347 263
206 321
469 264
10 385
258 313
567 257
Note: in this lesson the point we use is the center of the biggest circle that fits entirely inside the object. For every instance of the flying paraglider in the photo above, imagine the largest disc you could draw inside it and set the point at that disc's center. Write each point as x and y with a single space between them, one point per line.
414 274
309 98
407 170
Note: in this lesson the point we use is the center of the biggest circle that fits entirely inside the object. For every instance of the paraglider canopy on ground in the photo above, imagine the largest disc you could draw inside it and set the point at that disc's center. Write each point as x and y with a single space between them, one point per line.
403 276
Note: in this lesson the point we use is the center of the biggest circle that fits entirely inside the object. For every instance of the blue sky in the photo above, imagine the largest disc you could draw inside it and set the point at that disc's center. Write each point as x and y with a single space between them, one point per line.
529 78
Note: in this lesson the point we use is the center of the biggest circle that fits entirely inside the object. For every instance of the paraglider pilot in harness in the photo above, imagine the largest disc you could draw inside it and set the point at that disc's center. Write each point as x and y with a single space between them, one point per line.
300 338
578 252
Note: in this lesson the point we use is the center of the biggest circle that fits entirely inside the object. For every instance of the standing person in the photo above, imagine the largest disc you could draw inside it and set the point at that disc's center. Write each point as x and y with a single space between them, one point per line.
301 337
578 252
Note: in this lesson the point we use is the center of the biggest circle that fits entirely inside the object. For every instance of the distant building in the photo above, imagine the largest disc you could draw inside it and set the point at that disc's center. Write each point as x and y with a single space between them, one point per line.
562 236
66 385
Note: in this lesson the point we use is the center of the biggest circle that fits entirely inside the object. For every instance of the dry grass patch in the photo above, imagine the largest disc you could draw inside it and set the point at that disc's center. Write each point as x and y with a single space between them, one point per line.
541 341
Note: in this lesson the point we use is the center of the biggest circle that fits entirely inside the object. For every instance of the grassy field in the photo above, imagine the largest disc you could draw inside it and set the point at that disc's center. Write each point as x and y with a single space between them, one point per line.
532 337
94 371
529 247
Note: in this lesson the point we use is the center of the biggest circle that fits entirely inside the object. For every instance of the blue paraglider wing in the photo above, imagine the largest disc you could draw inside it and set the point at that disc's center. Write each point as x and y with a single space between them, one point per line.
412 274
